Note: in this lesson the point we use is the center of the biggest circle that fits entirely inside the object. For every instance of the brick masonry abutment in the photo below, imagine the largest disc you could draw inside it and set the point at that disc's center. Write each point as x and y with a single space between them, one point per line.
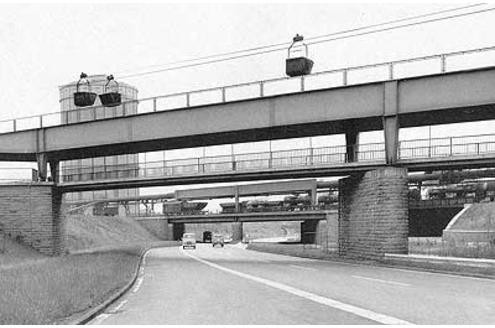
373 214
30 213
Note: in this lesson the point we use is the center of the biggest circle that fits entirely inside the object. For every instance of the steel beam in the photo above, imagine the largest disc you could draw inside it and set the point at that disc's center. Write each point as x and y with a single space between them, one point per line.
316 112
236 191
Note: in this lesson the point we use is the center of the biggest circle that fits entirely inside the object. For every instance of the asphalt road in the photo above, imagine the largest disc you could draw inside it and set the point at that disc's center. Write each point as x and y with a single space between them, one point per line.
235 286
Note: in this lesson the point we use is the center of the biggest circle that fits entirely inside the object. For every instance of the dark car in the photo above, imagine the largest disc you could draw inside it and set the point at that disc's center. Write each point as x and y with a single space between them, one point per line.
207 237
217 239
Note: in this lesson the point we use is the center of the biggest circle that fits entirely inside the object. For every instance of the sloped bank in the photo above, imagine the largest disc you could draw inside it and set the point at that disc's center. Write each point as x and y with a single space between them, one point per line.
43 292
103 258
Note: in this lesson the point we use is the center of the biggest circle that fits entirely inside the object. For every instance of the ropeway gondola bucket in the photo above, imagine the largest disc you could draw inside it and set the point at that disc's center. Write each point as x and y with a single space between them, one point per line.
83 96
111 98
297 64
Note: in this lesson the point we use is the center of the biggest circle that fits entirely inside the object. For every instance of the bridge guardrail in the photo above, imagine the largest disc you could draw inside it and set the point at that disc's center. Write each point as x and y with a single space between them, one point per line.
438 148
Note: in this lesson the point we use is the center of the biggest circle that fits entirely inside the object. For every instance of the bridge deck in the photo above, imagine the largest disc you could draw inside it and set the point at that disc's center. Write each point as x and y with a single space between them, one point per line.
246 217
416 155
444 97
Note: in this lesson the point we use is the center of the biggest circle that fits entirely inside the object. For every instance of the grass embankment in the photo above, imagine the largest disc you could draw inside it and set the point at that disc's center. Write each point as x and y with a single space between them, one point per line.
38 289
12 253
44 292
94 232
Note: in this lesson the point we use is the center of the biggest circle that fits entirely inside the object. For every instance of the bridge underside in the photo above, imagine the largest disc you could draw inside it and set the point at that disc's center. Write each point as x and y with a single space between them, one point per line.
250 217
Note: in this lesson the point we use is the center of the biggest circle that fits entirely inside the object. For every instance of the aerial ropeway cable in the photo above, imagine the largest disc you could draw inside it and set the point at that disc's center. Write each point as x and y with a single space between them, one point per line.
312 40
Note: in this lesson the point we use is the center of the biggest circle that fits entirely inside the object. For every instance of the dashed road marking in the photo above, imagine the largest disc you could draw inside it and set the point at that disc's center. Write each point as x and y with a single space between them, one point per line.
378 317
138 284
302 267
383 281
99 319
118 307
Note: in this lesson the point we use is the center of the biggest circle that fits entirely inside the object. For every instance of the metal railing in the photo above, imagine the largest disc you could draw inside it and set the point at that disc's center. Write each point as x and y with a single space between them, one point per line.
473 146
237 162
257 89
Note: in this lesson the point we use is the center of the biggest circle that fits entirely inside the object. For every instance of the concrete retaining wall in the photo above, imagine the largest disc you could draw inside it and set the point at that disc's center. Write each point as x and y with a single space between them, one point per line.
461 237
483 267
475 224
373 214
30 214
324 233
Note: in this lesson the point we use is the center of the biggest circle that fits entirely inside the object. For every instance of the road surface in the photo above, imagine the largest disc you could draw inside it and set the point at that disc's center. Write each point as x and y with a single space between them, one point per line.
232 285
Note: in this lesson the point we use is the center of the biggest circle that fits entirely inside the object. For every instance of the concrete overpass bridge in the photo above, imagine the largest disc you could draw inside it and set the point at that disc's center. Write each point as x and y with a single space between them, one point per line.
172 226
374 202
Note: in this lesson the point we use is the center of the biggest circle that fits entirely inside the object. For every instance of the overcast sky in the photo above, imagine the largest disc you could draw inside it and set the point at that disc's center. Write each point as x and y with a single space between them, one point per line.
46 45
43 46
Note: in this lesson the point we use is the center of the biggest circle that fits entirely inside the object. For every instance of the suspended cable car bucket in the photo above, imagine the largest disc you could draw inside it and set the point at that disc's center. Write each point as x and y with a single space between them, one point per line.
84 98
113 97
296 64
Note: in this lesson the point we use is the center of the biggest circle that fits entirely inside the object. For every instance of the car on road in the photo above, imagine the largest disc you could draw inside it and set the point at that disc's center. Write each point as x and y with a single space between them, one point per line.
207 237
217 239
189 240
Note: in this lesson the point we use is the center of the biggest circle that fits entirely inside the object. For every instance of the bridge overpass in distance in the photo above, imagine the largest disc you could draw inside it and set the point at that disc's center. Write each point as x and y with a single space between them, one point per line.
375 189
248 217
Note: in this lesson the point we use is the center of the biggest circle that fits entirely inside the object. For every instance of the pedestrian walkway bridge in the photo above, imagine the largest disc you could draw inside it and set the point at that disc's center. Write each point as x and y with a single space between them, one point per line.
420 154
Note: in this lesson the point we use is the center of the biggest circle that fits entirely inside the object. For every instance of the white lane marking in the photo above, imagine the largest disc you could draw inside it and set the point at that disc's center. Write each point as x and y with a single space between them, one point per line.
383 281
382 267
99 319
139 282
118 307
302 267
378 317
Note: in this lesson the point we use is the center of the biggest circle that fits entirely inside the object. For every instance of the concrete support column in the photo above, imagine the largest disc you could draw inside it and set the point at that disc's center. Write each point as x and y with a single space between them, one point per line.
308 231
41 160
391 122
351 140
314 196
373 214
178 230
237 231
236 197
55 171
391 131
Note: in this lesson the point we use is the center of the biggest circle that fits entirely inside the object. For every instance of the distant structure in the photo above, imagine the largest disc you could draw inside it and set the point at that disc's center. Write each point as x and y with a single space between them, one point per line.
79 169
